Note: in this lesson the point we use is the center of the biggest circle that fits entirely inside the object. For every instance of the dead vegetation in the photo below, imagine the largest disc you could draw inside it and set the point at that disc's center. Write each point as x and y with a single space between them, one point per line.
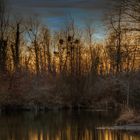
128 116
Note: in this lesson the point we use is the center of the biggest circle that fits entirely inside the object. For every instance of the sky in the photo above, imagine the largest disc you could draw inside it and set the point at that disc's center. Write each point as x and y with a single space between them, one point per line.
53 13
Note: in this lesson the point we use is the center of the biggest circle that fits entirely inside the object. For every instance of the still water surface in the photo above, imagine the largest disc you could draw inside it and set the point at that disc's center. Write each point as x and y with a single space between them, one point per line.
61 125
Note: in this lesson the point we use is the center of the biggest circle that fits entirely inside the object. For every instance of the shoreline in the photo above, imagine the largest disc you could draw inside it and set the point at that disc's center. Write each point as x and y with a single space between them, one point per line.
44 108
128 127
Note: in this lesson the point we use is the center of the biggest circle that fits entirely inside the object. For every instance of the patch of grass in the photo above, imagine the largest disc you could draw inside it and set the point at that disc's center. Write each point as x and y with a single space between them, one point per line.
128 116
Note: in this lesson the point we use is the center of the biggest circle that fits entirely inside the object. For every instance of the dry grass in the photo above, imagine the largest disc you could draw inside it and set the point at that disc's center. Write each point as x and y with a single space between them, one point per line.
128 116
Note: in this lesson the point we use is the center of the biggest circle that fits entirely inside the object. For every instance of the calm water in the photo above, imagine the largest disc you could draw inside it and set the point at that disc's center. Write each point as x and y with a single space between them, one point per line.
60 125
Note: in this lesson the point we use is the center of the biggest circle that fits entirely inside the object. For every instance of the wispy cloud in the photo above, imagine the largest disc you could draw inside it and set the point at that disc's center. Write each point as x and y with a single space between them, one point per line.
54 8
53 12
82 4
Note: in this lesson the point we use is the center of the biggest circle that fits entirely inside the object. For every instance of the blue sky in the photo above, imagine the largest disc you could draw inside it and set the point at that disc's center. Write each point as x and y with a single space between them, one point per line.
54 12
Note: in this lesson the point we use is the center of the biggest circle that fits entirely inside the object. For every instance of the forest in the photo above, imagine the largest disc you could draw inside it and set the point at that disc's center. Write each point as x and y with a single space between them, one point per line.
41 69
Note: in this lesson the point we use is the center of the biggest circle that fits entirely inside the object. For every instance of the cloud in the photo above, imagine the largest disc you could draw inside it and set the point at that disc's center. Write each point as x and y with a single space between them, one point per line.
60 8
82 4
54 12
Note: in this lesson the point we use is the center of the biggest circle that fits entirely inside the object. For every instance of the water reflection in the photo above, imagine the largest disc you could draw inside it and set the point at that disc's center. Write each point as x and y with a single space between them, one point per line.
116 135
60 126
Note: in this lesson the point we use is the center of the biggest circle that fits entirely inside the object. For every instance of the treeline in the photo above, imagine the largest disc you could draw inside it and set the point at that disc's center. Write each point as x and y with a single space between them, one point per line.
68 68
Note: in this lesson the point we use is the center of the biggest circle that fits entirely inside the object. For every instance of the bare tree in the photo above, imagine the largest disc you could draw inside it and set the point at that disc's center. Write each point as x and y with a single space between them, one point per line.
131 11
4 21
33 30
116 33
15 46
46 49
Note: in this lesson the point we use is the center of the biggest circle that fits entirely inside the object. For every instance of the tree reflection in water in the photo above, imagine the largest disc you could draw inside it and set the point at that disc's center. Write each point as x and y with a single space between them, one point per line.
60 125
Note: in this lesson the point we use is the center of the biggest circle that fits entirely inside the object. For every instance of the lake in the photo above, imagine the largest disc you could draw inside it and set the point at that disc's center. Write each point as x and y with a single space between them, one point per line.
61 125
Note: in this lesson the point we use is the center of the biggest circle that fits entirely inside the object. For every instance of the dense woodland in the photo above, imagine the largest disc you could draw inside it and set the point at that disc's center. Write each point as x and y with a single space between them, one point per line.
67 68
